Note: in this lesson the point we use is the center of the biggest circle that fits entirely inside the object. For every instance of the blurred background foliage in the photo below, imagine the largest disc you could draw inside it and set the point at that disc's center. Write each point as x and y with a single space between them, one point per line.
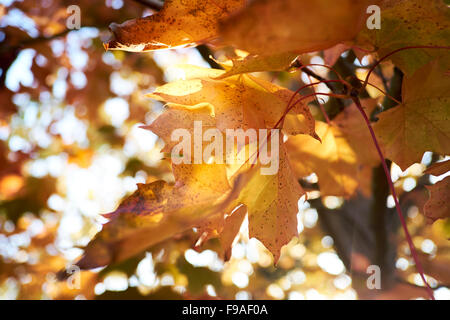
71 149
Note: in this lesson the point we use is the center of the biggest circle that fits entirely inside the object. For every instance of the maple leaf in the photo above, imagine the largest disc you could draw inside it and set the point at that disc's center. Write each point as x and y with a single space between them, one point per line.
231 227
350 123
331 55
438 268
334 161
421 122
178 23
438 168
225 228
271 200
340 159
157 211
257 63
272 27
272 203
407 23
238 102
437 206
180 116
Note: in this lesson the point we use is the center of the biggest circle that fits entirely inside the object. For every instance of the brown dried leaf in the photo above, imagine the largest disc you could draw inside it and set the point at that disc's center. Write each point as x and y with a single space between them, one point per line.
178 23
438 205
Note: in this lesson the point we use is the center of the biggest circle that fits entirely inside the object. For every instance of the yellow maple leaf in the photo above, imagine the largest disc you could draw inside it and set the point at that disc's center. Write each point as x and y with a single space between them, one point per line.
272 203
340 159
237 102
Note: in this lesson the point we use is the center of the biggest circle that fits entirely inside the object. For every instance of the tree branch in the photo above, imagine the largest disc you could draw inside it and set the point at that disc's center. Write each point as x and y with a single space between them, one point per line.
206 54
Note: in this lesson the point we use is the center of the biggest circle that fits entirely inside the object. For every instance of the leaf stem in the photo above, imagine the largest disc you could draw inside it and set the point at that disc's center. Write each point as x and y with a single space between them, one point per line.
394 195
304 68
290 107
382 91
324 112
309 85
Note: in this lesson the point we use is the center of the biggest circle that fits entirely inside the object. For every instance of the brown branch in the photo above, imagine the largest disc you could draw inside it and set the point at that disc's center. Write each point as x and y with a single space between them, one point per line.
298 64
31 41
206 54
340 105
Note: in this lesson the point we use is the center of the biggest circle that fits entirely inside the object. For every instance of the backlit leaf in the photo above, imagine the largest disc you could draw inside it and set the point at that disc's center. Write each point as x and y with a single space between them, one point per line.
340 159
422 122
178 23
238 102
272 203
256 63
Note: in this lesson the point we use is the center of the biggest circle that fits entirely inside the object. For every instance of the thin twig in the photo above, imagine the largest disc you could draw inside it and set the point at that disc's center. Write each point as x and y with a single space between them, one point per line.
325 115
206 54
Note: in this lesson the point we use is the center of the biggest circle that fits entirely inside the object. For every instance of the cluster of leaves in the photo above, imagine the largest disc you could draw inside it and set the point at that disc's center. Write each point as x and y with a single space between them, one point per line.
337 151
330 140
